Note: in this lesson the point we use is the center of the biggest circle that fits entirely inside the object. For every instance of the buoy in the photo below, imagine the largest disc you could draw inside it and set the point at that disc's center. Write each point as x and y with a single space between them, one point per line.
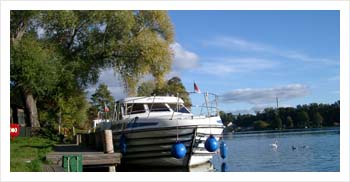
122 144
223 167
211 144
223 150
178 150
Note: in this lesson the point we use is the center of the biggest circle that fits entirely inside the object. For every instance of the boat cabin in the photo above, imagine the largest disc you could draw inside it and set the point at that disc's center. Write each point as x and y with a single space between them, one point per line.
139 105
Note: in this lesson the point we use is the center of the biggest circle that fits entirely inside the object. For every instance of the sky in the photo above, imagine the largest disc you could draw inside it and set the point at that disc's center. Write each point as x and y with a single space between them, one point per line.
248 58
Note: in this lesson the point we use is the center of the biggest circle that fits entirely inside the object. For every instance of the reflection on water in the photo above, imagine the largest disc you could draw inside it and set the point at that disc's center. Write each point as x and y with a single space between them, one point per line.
206 167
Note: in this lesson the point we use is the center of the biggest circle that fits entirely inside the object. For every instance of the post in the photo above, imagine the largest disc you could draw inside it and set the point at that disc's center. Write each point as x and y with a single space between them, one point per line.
108 141
59 122
97 140
111 168
77 139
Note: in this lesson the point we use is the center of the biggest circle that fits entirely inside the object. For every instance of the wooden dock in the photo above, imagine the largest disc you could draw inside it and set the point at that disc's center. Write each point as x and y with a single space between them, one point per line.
91 156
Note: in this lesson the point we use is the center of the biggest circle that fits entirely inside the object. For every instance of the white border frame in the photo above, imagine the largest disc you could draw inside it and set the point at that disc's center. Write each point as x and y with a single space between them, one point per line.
343 6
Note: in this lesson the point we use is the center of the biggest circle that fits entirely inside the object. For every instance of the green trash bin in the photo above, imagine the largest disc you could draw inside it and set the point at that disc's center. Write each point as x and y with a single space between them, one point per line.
72 163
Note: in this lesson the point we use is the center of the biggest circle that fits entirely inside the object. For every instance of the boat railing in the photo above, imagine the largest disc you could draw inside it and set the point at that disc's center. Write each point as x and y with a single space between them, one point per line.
210 106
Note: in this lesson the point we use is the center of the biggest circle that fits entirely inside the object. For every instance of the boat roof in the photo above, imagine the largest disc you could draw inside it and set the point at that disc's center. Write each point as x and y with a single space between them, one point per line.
151 99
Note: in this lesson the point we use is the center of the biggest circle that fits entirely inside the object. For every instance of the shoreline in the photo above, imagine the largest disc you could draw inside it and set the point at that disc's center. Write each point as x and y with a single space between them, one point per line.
285 131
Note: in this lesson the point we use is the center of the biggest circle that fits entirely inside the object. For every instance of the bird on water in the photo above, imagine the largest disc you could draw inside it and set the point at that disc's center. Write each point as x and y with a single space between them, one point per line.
274 145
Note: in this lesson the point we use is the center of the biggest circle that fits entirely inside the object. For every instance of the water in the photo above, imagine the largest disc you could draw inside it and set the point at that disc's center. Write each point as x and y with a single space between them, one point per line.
315 151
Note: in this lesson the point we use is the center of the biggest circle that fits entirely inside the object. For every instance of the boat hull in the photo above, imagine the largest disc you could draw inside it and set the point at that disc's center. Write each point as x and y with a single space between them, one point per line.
152 146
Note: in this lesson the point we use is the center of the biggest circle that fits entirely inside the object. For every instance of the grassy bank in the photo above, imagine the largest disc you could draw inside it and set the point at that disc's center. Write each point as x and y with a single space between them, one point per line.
28 153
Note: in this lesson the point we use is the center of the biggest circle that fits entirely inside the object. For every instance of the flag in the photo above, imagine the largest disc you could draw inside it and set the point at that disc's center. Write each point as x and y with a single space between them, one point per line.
106 108
196 89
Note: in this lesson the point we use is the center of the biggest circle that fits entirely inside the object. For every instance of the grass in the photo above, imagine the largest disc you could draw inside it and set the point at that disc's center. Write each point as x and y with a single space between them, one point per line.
28 153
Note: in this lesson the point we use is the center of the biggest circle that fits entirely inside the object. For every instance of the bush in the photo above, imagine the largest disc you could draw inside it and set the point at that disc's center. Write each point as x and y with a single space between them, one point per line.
261 125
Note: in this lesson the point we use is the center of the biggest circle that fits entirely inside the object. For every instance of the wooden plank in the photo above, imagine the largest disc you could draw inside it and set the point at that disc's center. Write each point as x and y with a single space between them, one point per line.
93 162
89 159
53 168
87 156
101 162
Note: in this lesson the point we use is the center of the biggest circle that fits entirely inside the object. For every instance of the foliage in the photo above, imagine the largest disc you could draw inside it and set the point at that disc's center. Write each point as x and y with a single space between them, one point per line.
323 115
146 88
28 153
317 120
261 125
303 119
55 55
133 42
289 122
101 97
277 122
226 117
173 86
73 111
34 64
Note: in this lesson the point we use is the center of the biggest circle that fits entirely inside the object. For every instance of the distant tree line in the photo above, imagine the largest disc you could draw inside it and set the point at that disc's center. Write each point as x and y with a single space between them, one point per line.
312 115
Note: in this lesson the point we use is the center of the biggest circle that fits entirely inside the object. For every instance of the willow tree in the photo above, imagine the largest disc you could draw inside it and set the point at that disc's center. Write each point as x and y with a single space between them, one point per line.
134 43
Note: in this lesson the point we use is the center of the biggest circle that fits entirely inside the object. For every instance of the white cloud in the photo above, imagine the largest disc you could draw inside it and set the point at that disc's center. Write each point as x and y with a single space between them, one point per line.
245 45
112 80
225 66
183 59
265 95
241 44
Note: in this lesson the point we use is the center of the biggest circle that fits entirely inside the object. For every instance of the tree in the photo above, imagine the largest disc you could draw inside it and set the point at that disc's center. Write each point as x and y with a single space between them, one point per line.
34 67
289 122
134 43
146 88
73 110
101 97
303 119
277 122
76 44
260 125
317 120
173 86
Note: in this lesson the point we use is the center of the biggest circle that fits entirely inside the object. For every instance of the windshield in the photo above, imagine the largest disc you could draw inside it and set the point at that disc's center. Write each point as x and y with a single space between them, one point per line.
181 109
158 107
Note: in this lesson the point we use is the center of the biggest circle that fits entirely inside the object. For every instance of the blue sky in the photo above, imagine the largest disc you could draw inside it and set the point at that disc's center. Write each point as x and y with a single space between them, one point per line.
250 57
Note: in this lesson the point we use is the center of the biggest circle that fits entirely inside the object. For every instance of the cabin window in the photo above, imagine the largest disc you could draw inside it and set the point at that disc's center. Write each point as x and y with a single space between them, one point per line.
182 108
158 107
135 108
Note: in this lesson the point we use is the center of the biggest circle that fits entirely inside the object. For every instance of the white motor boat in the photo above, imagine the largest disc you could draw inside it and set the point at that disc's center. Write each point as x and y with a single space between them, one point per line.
149 126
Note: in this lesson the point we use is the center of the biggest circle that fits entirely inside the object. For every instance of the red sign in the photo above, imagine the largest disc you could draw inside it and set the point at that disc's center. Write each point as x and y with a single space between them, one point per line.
14 130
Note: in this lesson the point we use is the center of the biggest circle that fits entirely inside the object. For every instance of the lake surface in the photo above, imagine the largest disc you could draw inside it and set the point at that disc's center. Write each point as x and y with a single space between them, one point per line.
314 151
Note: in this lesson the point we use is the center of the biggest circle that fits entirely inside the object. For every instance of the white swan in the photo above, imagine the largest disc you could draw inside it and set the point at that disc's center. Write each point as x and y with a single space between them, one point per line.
274 145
